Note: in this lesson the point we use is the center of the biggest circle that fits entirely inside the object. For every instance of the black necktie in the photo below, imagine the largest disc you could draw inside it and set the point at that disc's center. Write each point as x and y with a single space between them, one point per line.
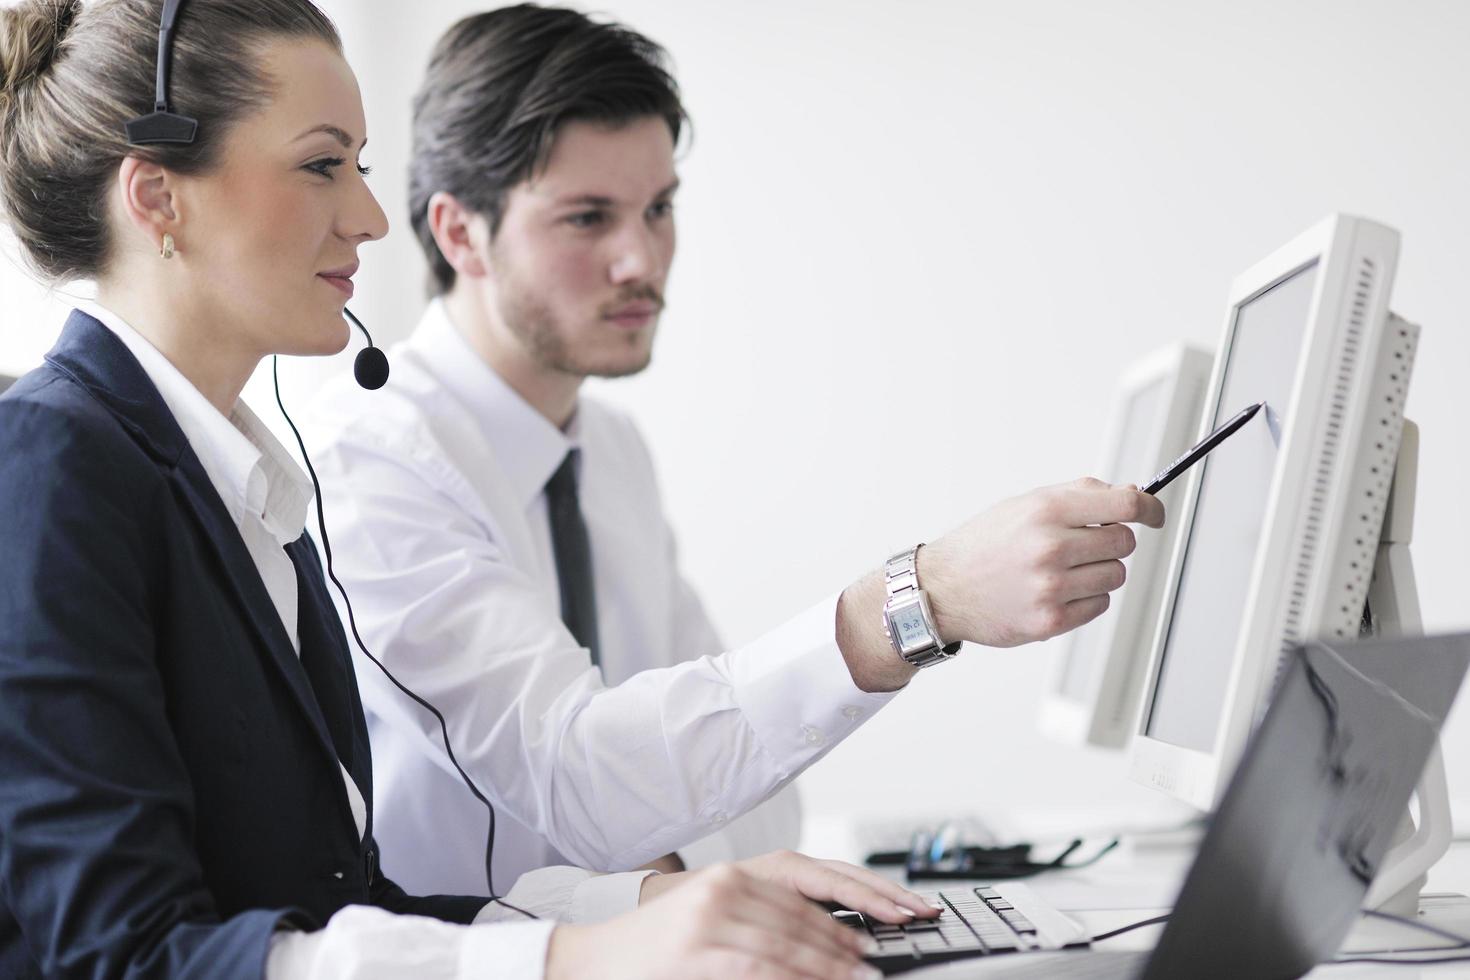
573 556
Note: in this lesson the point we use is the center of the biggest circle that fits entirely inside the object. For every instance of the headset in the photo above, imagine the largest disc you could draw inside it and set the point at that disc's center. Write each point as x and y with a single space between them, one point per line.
163 125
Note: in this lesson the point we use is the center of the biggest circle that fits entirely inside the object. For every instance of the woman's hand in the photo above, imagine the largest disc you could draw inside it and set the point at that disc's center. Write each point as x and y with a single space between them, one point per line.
723 921
835 882
840 883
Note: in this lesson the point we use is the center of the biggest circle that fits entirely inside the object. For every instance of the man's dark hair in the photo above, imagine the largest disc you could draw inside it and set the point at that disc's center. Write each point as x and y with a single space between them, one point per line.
499 86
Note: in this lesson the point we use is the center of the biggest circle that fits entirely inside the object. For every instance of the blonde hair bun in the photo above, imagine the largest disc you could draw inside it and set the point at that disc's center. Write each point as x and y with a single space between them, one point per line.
31 33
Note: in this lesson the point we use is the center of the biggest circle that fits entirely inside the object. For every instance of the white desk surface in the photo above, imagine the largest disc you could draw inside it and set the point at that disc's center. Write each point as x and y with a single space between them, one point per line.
1138 881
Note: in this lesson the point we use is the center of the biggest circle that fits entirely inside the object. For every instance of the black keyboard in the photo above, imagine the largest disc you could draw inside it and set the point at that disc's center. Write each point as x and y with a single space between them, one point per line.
974 922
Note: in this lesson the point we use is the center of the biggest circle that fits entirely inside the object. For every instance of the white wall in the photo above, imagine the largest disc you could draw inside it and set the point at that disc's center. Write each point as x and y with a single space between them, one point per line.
942 229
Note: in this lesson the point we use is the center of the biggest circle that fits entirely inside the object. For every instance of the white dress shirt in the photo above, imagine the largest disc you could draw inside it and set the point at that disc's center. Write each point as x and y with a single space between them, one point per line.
434 499
267 497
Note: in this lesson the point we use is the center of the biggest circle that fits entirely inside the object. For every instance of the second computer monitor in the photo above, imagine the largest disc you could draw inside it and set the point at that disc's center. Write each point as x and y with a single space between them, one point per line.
1093 695
1281 523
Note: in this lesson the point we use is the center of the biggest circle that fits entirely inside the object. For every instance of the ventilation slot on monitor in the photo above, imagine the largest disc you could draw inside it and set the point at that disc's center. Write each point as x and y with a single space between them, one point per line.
1372 483
1322 478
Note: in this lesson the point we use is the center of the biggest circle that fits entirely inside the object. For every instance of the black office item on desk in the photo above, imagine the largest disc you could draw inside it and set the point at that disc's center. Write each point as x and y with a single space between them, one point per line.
931 860
1302 828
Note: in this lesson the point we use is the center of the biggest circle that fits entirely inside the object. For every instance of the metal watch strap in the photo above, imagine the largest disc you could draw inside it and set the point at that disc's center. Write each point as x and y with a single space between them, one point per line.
901 580
901 573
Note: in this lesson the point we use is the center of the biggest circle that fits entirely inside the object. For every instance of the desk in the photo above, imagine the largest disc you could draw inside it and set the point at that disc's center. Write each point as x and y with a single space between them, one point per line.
1138 881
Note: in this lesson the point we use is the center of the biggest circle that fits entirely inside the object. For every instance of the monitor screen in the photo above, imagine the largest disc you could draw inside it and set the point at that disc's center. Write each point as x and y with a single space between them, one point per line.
1209 605
1136 457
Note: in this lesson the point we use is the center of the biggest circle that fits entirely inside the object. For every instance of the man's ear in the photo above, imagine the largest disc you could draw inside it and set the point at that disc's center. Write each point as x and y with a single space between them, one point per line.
455 229
150 201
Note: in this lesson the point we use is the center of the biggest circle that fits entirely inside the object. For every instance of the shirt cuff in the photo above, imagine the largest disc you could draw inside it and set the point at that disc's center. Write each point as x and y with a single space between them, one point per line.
506 949
567 894
603 896
794 688
362 942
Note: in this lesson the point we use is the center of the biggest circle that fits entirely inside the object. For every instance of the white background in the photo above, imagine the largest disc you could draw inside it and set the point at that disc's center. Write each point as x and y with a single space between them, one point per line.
919 242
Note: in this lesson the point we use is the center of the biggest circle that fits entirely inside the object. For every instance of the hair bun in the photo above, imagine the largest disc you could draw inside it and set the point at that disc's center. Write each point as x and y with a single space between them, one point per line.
30 35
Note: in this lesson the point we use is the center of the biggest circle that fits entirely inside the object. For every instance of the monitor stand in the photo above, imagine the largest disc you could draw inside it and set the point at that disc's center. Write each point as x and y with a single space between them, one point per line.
1393 610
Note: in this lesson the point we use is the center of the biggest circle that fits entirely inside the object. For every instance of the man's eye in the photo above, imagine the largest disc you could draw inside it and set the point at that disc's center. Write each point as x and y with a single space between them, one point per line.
662 209
586 219
325 166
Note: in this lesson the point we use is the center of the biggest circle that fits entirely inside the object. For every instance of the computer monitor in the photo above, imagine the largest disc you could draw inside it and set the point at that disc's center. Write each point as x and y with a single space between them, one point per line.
1281 524
1093 694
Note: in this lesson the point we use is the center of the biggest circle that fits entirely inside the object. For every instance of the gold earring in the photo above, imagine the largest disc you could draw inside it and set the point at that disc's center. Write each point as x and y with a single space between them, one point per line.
167 251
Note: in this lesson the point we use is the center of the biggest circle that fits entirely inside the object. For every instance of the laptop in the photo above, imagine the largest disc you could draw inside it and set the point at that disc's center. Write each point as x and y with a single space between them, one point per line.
1298 836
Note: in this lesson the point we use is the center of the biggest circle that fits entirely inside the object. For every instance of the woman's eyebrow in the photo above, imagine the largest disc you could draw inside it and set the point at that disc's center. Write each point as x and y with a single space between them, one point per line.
336 132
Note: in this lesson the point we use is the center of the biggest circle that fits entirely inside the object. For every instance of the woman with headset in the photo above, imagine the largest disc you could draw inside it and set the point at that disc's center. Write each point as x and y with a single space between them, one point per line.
185 782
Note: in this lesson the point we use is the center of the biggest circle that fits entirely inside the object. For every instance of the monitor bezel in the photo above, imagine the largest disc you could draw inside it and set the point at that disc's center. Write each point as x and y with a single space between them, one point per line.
1339 245
1103 716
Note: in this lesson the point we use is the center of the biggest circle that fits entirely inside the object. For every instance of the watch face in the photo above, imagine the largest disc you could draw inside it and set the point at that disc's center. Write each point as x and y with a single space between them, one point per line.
910 628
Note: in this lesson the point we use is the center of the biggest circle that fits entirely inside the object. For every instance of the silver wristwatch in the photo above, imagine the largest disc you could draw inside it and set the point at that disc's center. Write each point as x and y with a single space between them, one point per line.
907 620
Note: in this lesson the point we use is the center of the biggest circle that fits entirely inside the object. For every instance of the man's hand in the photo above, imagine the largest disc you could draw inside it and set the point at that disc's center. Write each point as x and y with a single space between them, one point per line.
1027 569
835 882
722 922
1036 565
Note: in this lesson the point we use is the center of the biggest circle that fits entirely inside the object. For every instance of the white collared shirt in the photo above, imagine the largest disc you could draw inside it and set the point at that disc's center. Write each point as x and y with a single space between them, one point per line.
267 497
434 498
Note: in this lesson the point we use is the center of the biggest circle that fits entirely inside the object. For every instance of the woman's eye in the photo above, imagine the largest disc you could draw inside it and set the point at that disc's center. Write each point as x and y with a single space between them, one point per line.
661 210
325 166
365 171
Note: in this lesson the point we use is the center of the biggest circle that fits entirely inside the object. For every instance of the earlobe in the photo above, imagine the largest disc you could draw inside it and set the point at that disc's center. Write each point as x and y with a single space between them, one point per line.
451 224
148 199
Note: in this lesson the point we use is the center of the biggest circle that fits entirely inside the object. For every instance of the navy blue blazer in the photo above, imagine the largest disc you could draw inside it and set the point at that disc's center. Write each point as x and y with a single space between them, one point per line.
169 784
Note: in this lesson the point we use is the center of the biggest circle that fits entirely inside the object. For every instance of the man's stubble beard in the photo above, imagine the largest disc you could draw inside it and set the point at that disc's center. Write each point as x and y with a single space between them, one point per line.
538 331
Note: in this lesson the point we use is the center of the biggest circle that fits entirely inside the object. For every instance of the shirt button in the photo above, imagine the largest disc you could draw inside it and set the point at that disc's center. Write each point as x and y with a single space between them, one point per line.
719 818
851 711
812 736
338 875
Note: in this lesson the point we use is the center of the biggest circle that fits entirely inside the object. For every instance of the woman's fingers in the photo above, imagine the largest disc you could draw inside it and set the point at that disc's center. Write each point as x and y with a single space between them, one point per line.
904 898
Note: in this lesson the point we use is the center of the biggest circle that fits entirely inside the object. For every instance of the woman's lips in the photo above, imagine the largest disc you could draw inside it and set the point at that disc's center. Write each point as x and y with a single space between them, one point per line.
344 283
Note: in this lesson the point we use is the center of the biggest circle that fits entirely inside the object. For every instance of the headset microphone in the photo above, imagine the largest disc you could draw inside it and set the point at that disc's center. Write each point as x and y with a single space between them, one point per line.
371 367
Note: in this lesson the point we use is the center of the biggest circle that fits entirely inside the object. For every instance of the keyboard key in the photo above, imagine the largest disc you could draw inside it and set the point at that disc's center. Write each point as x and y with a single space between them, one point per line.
1020 923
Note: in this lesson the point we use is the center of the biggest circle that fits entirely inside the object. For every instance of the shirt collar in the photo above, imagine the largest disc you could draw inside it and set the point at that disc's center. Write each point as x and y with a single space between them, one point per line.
527 446
249 468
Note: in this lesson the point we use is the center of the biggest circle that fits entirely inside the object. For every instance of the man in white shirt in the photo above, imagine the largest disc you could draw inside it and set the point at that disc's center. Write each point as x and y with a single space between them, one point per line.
646 614
542 187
